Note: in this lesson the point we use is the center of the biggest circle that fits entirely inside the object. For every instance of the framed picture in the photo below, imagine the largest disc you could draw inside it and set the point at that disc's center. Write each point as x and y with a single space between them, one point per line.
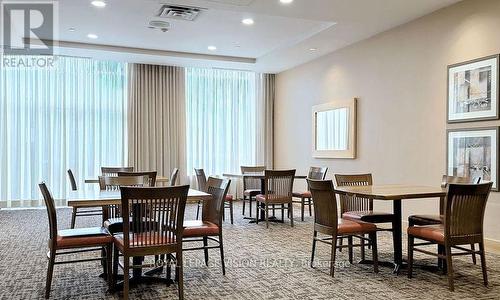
474 153
473 90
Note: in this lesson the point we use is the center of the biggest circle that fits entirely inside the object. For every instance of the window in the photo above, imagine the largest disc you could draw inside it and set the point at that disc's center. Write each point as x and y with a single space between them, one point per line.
72 115
221 117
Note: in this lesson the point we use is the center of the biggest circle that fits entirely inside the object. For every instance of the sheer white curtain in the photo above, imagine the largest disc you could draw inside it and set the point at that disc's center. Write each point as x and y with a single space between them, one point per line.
70 116
221 120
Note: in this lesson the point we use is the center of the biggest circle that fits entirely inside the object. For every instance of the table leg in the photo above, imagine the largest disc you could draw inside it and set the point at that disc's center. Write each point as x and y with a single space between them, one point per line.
262 215
397 236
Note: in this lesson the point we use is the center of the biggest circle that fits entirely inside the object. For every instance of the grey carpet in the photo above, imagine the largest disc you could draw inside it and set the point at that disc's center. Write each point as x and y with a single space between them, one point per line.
261 264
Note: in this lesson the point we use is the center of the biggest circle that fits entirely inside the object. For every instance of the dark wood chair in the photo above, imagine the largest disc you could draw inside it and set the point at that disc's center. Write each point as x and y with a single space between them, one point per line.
305 197
210 226
326 222
201 180
358 208
81 211
150 176
113 171
463 225
438 219
173 177
278 188
71 241
251 186
153 218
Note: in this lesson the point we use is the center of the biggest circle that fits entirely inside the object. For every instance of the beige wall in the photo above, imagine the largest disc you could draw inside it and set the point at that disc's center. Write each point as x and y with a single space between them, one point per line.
400 79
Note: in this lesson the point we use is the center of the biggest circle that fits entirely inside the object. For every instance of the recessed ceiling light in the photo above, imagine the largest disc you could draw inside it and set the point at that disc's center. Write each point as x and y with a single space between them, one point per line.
286 1
247 21
313 49
212 48
92 36
72 29
98 3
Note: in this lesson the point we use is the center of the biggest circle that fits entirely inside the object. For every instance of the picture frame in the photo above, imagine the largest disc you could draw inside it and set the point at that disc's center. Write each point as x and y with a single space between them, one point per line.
473 152
473 88
334 132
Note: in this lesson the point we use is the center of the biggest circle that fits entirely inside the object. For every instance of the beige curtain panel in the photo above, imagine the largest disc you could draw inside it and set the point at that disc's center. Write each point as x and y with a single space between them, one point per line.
156 121
266 93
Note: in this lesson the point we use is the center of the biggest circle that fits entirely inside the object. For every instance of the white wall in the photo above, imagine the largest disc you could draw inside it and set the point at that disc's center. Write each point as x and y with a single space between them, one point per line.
400 78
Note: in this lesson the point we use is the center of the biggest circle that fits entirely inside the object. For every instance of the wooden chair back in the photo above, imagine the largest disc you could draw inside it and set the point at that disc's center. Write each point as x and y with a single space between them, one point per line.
446 180
113 171
213 209
350 203
72 180
153 216
325 206
250 183
464 212
173 177
317 173
150 177
51 212
112 183
201 179
279 185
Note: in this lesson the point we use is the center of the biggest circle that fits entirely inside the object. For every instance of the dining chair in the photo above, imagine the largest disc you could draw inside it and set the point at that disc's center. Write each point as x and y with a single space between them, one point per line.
114 220
113 171
163 209
438 219
72 241
81 211
358 208
278 191
314 173
210 226
150 176
251 186
462 225
201 180
173 177
326 222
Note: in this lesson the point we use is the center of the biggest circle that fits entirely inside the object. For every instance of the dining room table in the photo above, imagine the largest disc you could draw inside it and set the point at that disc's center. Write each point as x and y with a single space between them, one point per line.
262 178
396 194
94 198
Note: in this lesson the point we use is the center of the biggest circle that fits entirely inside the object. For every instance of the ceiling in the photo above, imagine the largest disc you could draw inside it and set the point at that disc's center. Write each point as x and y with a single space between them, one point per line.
280 38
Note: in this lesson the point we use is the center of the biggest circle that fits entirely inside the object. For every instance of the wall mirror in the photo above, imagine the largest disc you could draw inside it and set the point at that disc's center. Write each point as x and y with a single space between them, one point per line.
334 129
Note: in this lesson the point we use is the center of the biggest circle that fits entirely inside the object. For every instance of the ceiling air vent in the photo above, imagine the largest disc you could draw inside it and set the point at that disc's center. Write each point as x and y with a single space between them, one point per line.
186 13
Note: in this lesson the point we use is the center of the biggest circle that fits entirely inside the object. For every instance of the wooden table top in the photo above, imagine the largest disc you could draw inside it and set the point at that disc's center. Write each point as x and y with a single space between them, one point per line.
104 198
392 192
255 176
96 180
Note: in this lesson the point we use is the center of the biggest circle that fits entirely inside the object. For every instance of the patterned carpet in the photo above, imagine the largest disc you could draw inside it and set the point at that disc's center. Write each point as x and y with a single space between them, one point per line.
261 264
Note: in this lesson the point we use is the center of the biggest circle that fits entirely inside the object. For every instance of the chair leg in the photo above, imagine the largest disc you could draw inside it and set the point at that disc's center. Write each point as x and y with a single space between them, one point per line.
349 242
180 274
50 272
198 211
283 212
267 215
205 245
310 209
73 217
302 204
274 209
449 263
115 265
126 270
250 205
341 243
332 256
221 247
473 248
373 240
109 274
362 242
243 212
256 212
291 213
315 235
411 241
483 263
231 211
